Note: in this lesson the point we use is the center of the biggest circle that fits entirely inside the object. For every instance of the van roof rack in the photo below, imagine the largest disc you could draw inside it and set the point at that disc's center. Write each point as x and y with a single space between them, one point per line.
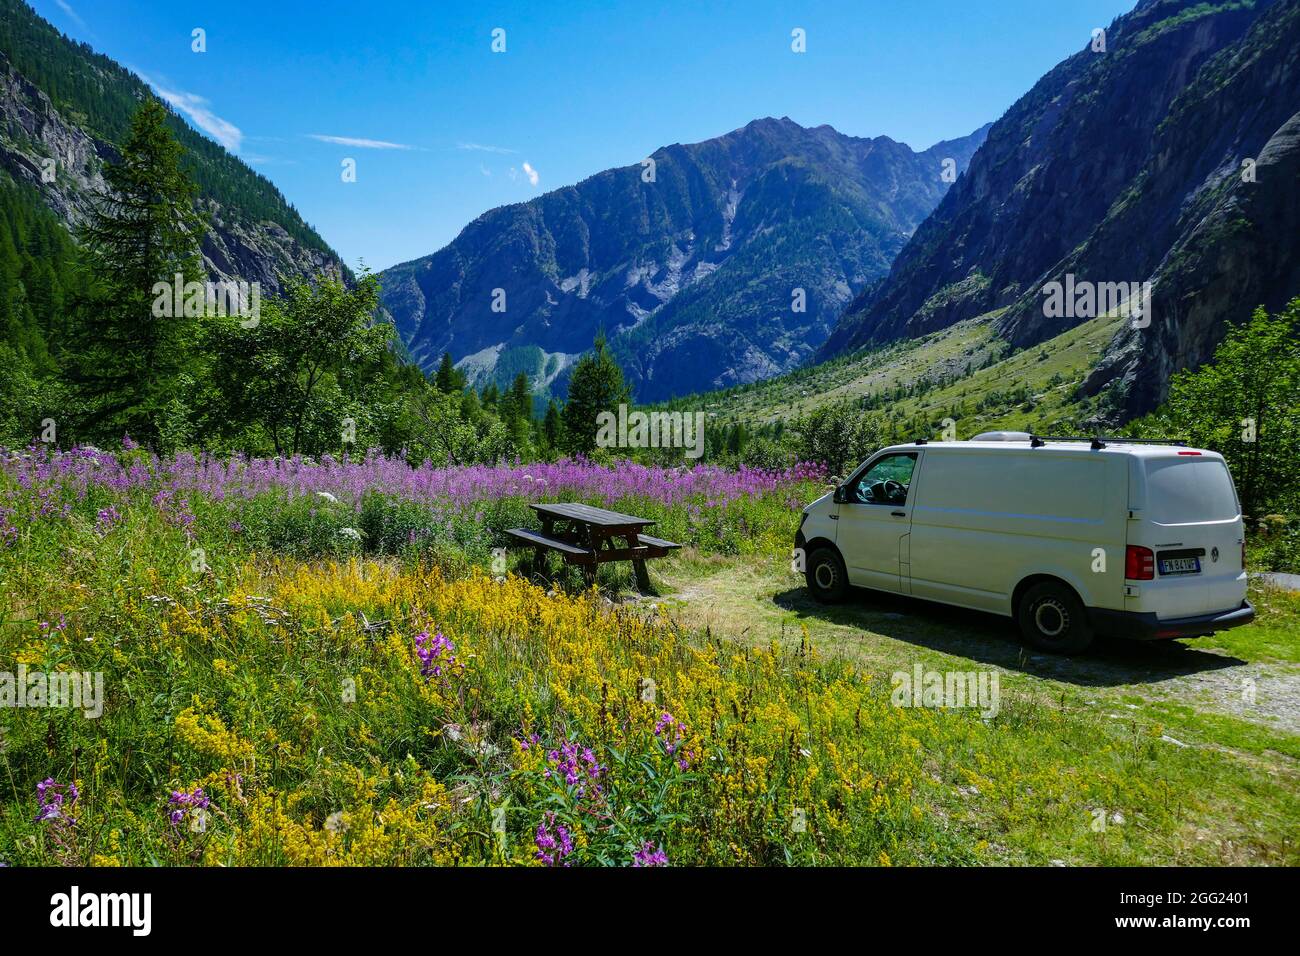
1098 442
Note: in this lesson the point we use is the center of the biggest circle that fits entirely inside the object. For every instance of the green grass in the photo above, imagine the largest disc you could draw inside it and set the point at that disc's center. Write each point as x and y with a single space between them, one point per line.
1273 636
964 372
1139 704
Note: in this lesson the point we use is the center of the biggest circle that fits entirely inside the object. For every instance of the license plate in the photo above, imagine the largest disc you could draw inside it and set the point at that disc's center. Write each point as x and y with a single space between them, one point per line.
1180 565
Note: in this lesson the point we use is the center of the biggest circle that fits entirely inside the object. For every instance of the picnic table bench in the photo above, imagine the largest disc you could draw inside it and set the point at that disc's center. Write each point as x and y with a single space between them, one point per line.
589 537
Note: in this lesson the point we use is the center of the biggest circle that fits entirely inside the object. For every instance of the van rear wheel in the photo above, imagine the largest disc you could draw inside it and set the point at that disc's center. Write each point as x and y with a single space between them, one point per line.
1052 618
826 577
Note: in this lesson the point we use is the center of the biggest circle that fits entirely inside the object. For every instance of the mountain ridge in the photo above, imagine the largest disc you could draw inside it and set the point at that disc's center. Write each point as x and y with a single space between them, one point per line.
652 253
61 100
1108 167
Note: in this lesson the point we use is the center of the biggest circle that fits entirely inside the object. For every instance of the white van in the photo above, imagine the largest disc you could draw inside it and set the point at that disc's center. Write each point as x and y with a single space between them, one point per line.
1070 537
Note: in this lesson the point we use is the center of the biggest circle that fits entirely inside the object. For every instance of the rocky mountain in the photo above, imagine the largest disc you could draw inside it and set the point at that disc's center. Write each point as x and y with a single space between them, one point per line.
1227 161
1123 164
707 265
62 102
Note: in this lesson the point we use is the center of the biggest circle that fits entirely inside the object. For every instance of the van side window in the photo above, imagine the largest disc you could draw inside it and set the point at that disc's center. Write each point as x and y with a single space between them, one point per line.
886 482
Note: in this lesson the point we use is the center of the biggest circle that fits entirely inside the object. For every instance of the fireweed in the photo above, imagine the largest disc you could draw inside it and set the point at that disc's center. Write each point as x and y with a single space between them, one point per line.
107 519
304 507
56 804
649 855
56 801
671 733
553 849
349 480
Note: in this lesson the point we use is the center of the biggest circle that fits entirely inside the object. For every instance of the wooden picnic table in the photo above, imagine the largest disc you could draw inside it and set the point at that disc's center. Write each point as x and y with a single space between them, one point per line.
589 537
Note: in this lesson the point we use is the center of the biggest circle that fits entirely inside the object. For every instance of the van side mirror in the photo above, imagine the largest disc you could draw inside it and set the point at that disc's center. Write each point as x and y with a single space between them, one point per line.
838 496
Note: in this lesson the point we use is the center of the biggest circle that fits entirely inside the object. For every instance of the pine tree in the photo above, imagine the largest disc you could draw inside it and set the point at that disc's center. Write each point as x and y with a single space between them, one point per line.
521 397
552 427
445 379
143 231
595 386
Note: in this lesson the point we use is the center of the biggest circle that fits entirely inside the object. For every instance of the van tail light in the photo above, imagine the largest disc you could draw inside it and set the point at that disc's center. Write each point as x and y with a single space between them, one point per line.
1139 563
1243 555
1189 453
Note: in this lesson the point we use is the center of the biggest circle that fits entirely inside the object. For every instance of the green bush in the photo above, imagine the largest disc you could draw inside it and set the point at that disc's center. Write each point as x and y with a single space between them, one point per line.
1245 404
838 435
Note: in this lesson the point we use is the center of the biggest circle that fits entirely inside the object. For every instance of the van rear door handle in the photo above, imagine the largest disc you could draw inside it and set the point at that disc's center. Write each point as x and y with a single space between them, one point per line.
899 514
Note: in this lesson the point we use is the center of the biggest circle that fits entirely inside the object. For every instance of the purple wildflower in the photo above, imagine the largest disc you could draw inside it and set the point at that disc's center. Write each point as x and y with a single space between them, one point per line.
430 652
552 849
649 855
8 531
349 480
108 519
184 802
578 768
56 801
671 733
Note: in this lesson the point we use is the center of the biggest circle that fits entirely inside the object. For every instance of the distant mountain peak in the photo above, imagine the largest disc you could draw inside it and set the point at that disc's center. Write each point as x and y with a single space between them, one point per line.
727 262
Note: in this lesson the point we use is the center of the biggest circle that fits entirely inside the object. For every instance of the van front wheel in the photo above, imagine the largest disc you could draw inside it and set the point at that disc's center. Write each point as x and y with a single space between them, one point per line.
1052 618
827 579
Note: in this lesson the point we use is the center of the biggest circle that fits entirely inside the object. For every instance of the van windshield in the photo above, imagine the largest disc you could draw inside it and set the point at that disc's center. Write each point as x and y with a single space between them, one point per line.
1189 490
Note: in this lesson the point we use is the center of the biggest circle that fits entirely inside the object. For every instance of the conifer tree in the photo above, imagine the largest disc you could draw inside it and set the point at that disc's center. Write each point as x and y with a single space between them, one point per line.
552 428
596 386
144 230
445 378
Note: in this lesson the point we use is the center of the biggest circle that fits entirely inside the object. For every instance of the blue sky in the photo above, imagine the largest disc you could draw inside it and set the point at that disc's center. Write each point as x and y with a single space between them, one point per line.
443 129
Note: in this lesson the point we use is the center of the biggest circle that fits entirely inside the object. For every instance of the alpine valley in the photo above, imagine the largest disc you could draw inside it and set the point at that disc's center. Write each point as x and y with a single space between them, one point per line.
778 267
711 264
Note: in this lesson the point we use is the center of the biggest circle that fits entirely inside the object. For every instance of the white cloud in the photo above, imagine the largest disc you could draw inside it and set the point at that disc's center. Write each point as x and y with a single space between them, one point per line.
484 170
358 142
200 113
479 147
72 14
531 173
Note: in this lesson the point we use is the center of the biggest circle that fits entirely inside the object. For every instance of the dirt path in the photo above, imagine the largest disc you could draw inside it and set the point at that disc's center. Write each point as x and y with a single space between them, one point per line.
756 600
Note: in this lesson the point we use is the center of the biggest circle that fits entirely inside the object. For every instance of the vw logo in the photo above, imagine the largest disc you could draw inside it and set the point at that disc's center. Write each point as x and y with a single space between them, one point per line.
1214 554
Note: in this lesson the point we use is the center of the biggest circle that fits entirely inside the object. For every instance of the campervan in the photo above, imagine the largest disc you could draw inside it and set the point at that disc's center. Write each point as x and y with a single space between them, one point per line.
1069 537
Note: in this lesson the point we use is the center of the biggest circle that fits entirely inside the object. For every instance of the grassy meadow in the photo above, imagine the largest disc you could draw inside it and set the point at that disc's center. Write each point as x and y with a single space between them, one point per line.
964 372
321 663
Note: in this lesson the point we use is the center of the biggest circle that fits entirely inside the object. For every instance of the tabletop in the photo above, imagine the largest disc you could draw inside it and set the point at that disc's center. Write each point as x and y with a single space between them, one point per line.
599 517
